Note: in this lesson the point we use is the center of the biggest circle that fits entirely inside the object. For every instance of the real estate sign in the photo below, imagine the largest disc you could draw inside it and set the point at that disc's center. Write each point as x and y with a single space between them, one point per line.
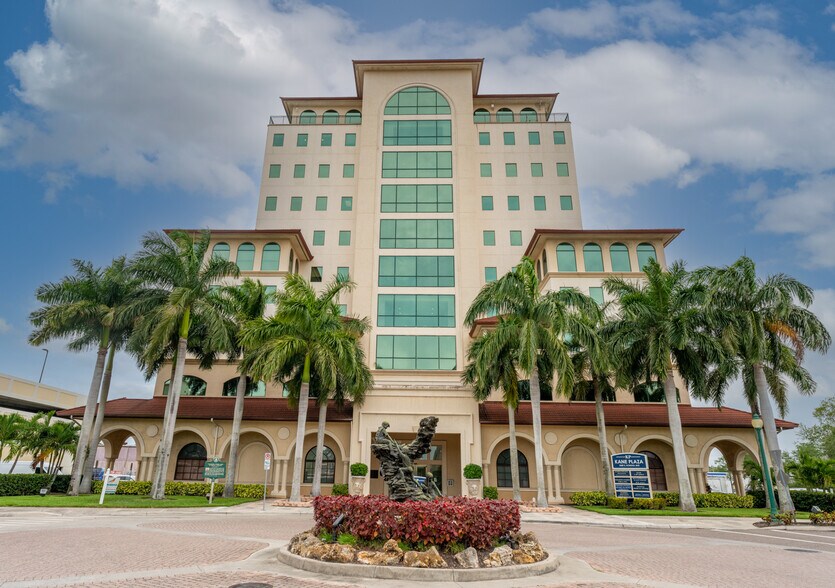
631 474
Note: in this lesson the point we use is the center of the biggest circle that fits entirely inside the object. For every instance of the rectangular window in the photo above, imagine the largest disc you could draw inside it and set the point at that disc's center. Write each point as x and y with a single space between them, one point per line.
296 203
562 170
566 203
318 238
422 271
343 273
270 203
417 164
348 170
539 202
516 238
536 170
486 170
327 138
513 203
533 137
559 137
350 139
343 310
509 138
488 238
510 170
416 198
490 274
270 292
278 140
321 203
596 294
415 310
347 203
324 170
316 274
275 170
417 132
415 352
484 138
486 203
344 238
416 234
301 140
298 170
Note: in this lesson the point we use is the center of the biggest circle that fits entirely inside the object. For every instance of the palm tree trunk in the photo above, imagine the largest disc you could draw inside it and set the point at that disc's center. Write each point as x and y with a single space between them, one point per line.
770 430
14 465
93 447
89 416
240 392
298 453
601 438
514 453
320 447
170 418
541 500
685 491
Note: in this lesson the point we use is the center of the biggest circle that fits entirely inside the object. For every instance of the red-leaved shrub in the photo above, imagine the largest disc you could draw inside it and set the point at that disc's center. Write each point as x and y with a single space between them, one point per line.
473 522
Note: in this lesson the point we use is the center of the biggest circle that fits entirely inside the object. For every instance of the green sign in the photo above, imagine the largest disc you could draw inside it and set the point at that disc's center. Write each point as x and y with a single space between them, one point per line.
215 469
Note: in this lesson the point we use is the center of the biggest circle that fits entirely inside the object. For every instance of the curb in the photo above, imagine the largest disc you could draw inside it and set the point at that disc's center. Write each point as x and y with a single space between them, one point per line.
353 570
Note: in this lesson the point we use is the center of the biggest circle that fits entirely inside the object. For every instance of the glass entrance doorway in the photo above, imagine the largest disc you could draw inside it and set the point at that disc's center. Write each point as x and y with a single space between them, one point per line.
433 463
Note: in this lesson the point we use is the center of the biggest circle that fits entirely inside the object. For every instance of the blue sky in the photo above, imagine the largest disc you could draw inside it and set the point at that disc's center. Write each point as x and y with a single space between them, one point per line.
116 119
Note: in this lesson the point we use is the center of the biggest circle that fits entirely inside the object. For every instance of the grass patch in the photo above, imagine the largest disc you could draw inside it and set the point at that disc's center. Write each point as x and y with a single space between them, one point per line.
676 512
117 501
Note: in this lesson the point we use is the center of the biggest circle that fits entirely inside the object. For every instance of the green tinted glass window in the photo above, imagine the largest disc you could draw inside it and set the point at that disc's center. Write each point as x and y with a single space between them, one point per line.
353 117
415 352
296 203
278 140
417 132
275 170
504 115
422 271
536 170
327 139
513 203
415 310
348 170
481 116
562 170
350 139
484 138
417 164
221 251
246 257
533 137
645 252
417 100
539 202
486 170
596 294
308 117
343 273
566 260
330 117
488 238
324 170
343 310
318 238
509 138
592 257
510 170
490 274
347 203
566 203
516 238
486 203
270 292
321 203
270 203
344 238
301 140
416 234
316 273
527 115
270 257
620 258
416 198
559 137
298 170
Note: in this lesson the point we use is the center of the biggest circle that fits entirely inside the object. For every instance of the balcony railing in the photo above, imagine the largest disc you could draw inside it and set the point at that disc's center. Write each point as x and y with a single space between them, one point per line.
523 117
355 119
308 119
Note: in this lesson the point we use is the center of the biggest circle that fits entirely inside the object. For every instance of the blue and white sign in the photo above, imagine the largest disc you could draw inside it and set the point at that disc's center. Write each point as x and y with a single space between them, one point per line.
631 474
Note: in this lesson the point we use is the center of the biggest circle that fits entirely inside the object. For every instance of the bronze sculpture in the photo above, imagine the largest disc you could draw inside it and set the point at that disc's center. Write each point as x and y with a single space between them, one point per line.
396 462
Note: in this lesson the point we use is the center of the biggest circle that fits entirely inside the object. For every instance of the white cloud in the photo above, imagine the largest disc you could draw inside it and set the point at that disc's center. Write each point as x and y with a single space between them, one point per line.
5 327
754 192
236 218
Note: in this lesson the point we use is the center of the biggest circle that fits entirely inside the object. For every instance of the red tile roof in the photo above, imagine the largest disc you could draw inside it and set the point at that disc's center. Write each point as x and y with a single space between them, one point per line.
255 409
633 414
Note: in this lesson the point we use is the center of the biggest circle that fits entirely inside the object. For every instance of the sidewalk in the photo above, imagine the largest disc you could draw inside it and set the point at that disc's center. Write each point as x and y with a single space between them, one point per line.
576 516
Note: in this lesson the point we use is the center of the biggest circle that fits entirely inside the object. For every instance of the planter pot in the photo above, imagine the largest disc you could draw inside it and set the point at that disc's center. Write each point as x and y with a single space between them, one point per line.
357 485
474 488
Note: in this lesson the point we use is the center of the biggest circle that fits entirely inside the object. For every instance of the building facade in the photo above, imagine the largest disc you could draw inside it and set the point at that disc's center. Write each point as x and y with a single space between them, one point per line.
422 189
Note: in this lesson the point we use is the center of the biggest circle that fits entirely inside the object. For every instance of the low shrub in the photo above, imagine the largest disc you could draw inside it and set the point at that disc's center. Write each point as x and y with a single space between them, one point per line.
822 518
589 498
803 500
490 492
717 500
473 471
26 484
339 490
359 469
475 523
143 488
671 498
637 504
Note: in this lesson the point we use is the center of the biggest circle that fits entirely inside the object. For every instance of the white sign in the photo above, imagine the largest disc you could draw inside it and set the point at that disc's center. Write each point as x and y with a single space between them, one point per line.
268 460
109 483
631 473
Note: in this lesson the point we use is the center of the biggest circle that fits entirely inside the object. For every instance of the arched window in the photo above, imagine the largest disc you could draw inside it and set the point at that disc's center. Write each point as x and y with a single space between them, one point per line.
246 257
253 388
503 474
353 117
652 392
584 390
566 260
290 268
417 100
592 257
328 465
538 270
544 263
270 257
481 116
221 250
645 252
527 115
192 386
620 258
331 117
308 117
504 115
657 477
191 462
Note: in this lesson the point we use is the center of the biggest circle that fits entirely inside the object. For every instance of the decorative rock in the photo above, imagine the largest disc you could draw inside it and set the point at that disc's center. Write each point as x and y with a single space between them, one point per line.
467 558
389 556
302 543
500 556
424 559
337 553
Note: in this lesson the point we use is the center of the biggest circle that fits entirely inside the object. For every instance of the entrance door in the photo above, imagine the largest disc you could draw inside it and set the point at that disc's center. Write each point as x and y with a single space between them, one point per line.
433 462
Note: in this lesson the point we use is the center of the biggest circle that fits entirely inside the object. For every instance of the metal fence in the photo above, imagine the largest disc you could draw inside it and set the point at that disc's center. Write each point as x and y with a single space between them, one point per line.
355 119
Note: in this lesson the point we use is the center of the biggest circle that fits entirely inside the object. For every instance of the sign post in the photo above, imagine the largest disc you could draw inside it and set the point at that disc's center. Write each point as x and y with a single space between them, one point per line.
108 486
268 460
214 469
631 473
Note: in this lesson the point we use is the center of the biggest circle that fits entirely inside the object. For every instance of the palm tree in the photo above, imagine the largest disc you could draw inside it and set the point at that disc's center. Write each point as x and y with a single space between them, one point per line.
10 424
178 266
660 330
811 471
759 319
540 323
491 364
304 335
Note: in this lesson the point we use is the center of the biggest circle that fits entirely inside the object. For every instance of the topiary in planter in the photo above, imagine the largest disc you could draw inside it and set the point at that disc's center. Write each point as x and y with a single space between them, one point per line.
339 490
359 469
490 492
473 471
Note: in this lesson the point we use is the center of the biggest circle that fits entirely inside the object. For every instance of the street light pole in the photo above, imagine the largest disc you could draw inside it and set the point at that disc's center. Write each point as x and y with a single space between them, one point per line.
757 423
43 367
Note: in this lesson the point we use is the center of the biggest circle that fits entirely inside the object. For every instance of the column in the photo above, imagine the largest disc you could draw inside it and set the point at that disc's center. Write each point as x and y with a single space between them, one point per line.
693 477
549 483
485 467
346 471
276 477
282 491
558 499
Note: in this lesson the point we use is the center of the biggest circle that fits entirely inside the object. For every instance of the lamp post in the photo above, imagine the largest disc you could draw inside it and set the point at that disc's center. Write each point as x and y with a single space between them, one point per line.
757 423
43 367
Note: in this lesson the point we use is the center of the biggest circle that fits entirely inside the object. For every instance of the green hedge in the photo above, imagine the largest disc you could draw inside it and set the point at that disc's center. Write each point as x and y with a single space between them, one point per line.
143 488
671 498
339 490
359 469
637 504
473 471
589 498
24 484
717 500
803 500
490 492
